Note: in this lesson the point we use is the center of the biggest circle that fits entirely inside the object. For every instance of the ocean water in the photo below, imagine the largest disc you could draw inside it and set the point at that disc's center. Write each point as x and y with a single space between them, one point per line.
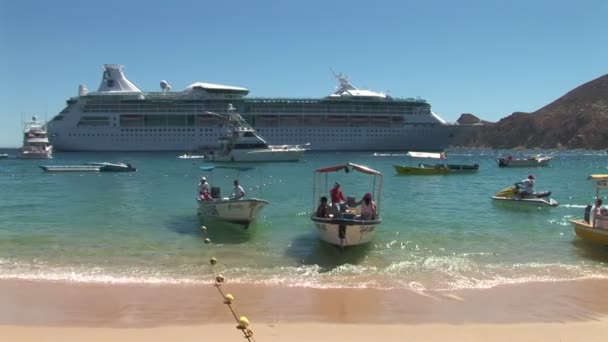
438 232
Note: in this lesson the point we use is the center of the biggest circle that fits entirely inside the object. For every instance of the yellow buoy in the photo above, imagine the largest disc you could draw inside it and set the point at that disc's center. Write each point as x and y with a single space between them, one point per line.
207 240
203 228
219 279
243 322
213 261
229 299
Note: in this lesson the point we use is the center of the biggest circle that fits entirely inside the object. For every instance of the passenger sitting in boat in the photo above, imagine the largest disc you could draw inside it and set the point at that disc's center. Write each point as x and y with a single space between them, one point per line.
322 208
337 197
600 210
525 187
238 191
600 215
203 190
368 207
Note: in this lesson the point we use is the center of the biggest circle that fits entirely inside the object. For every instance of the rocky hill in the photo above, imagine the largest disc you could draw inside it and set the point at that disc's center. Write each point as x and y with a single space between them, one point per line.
579 119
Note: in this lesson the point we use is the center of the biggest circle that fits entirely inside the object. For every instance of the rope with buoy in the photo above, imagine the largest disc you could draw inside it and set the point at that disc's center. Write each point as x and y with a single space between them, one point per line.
242 321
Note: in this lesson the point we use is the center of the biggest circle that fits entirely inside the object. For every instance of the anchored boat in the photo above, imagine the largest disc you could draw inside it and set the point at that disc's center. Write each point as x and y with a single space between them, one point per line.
594 226
340 224
35 141
524 162
242 211
243 144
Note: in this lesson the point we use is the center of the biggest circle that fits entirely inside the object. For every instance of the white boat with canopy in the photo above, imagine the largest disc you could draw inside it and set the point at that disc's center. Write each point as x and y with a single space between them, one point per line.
227 209
594 227
343 225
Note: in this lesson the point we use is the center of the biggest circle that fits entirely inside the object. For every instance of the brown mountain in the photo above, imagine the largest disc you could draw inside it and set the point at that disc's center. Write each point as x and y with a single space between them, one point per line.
578 119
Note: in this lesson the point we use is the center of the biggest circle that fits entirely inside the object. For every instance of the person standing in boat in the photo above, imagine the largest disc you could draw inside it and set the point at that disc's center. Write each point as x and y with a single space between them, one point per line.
238 191
337 197
204 191
526 187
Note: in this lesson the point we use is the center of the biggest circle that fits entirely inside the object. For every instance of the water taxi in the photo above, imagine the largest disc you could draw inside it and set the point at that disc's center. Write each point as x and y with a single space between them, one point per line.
592 227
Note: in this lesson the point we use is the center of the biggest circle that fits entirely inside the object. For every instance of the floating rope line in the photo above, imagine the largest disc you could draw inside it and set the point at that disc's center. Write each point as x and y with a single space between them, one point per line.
242 321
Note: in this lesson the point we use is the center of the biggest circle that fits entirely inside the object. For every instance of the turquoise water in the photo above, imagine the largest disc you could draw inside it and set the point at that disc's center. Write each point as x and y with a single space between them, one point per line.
439 232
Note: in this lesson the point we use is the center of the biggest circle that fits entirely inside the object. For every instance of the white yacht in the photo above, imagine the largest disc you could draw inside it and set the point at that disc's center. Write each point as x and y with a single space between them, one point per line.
35 141
242 144
119 116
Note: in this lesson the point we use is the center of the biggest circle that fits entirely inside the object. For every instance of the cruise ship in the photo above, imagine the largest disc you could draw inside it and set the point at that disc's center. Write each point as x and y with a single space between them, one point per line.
121 117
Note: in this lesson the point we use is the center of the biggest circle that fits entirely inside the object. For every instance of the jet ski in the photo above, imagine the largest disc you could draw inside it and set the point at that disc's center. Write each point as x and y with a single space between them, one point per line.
512 194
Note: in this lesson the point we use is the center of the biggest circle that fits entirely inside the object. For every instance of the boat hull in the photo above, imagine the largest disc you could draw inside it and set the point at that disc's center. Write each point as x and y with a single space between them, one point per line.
234 211
35 154
410 170
69 168
343 233
588 233
534 162
539 202
259 156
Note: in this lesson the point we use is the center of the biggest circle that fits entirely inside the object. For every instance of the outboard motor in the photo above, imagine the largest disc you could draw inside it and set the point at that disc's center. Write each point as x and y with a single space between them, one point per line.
215 192
502 162
587 216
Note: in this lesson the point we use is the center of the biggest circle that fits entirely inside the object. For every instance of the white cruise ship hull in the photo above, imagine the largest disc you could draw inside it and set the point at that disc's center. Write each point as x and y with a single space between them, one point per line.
431 138
121 117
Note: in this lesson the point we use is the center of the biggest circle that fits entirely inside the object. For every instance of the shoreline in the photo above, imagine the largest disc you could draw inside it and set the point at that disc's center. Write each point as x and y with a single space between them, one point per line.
36 303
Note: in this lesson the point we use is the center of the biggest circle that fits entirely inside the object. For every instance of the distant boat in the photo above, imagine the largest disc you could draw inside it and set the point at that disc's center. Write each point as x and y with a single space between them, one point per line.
90 167
35 141
191 156
432 155
435 169
243 144
3 156
525 162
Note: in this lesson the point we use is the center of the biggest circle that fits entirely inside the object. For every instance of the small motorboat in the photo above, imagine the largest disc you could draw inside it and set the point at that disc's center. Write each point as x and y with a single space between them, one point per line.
89 167
534 161
113 167
69 168
238 211
3 156
436 169
344 226
511 195
592 227
191 156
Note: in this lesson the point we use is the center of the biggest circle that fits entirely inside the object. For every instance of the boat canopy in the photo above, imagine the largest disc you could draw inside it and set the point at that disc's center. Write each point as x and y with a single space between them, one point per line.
598 177
238 168
349 166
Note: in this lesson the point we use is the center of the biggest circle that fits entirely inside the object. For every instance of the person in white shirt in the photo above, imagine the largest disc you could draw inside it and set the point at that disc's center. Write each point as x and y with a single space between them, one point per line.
238 191
204 191
526 187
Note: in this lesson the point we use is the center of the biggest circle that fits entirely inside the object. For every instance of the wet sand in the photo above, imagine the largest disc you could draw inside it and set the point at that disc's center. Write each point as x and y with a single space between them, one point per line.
95 305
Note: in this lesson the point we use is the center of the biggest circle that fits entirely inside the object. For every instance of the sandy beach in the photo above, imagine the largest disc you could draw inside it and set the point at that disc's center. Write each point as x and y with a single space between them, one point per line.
573 310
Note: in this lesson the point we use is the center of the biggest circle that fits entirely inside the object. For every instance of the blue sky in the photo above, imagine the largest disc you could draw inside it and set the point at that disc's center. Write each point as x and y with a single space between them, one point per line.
489 58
